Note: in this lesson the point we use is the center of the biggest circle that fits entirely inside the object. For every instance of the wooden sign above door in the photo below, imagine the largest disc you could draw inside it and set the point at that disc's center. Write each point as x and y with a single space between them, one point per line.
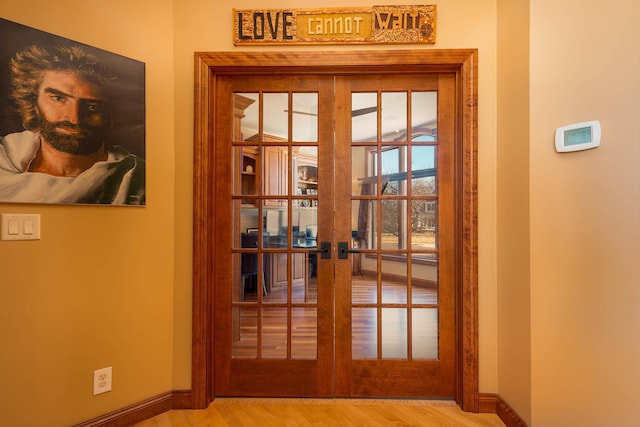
375 25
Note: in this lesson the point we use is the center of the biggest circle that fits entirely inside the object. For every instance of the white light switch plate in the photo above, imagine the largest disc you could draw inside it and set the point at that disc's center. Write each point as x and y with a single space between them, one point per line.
20 226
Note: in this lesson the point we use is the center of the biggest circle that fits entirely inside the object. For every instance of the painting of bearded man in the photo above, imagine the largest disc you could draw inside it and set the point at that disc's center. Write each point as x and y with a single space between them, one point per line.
67 152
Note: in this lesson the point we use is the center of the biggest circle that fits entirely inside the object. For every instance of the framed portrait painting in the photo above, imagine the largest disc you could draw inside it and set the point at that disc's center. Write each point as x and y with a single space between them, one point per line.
72 122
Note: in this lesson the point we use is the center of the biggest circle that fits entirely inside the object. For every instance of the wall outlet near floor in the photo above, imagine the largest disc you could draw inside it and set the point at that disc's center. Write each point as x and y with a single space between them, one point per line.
102 380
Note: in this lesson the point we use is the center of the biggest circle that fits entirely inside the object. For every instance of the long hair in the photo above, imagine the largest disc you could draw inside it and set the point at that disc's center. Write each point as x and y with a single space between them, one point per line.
28 66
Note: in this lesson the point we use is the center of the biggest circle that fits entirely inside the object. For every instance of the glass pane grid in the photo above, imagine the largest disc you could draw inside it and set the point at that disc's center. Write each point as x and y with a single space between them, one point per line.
398 337
401 335
280 305
396 211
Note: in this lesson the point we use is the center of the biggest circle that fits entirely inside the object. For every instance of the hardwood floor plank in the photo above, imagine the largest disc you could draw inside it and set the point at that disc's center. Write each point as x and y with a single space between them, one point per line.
233 412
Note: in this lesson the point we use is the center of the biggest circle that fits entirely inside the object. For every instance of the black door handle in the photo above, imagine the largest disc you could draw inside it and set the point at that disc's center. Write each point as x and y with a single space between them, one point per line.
324 251
344 251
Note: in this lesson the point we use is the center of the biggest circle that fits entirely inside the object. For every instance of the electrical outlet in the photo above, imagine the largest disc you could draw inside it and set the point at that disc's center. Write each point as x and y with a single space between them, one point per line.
102 380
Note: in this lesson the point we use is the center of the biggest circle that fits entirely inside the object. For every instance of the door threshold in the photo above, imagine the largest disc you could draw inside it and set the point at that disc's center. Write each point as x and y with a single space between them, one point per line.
378 401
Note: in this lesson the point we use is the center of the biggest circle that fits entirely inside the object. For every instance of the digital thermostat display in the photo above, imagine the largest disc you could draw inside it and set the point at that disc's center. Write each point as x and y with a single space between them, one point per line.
579 136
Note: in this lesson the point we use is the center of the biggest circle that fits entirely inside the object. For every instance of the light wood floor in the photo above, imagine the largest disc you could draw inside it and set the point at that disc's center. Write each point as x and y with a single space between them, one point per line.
324 412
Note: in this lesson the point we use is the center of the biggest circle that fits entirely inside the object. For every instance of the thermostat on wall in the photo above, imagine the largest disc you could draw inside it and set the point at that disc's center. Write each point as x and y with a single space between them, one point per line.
579 136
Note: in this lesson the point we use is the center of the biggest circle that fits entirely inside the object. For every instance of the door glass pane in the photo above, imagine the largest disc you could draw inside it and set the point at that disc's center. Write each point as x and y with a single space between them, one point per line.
276 117
301 228
245 162
277 280
299 262
423 170
424 222
274 332
394 224
307 290
275 179
394 281
363 171
364 118
360 185
394 333
394 168
295 238
394 116
424 115
304 333
364 333
276 221
306 227
247 277
364 286
245 219
424 333
245 327
363 223
424 281
306 177
305 117
246 110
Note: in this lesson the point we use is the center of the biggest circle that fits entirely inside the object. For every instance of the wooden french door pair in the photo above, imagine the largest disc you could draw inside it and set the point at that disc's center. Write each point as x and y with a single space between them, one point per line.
335 223
324 258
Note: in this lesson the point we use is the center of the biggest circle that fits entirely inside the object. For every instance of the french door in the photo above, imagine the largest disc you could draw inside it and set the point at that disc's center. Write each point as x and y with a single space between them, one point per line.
331 262
336 228
395 296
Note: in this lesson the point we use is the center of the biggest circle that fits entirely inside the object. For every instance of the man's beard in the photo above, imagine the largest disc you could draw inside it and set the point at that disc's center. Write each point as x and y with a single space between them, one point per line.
85 140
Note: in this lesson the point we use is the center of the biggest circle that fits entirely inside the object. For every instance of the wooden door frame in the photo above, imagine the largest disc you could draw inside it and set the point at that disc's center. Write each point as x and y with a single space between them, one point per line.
462 62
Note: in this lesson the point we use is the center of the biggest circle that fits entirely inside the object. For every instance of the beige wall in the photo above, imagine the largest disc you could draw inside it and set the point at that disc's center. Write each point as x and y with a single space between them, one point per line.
98 289
585 214
513 299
